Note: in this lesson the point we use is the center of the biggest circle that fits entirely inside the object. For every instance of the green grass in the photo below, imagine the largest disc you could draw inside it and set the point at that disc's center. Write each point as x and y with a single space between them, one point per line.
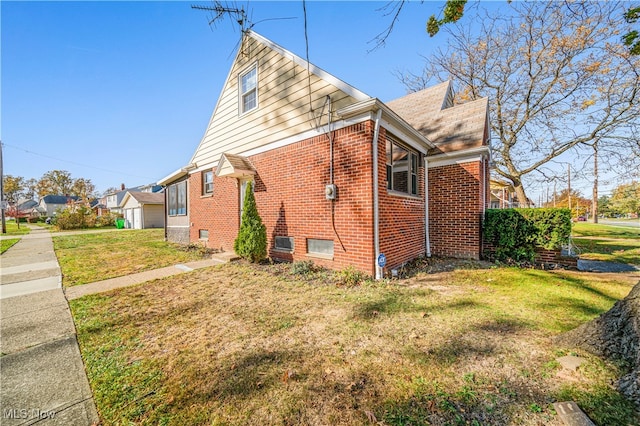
86 258
7 244
607 243
585 229
242 344
12 228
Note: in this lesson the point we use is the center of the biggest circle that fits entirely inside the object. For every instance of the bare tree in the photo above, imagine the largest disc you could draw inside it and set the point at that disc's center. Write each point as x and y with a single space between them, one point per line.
557 77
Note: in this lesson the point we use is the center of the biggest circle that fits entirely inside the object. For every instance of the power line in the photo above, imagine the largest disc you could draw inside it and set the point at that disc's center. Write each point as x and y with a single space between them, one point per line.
73 162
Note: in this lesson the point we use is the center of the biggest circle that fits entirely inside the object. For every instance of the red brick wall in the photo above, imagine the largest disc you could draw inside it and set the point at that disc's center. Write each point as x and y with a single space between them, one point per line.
402 234
289 190
219 214
455 209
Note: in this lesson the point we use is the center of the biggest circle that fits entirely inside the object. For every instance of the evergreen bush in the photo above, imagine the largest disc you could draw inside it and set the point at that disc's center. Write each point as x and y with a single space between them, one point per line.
251 243
516 233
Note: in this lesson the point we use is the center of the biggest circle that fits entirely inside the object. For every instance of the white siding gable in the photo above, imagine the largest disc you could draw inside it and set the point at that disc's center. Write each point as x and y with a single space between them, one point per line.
291 100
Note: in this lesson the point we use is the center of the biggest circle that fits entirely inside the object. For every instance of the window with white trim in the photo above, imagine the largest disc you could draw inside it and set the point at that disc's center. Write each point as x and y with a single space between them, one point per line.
177 197
207 182
402 168
249 90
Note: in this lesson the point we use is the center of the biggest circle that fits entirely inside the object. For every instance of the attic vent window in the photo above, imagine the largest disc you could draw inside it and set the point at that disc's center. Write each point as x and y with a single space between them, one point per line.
249 90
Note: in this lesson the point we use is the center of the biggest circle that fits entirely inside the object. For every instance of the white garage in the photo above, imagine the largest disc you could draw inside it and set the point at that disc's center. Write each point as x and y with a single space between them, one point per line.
143 210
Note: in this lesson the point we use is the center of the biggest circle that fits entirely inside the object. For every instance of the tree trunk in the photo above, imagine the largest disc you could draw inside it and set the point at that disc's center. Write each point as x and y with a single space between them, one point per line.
523 200
614 335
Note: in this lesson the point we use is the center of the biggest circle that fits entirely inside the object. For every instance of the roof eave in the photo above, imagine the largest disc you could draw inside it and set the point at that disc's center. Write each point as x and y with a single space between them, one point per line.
182 172
373 105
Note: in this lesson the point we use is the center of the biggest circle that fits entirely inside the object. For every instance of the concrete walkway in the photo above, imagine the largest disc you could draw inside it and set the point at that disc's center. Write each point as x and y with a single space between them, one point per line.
41 369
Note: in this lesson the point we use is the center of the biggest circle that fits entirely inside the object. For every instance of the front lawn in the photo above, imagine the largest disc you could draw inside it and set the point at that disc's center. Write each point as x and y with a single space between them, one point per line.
607 243
7 244
12 228
258 345
85 258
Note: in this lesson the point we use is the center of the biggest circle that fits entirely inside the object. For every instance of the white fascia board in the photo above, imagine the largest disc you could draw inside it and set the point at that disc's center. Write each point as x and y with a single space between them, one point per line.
176 175
345 87
459 157
391 121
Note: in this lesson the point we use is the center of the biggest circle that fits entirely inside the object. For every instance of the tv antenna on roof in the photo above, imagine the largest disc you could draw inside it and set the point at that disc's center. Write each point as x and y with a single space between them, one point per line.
219 11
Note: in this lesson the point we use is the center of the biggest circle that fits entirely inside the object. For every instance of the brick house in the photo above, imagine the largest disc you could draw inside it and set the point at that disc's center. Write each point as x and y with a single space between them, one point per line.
339 177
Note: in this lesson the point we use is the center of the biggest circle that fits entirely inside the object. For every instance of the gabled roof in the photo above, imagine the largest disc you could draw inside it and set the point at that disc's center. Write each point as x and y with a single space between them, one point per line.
28 204
418 108
232 165
313 69
449 127
58 199
143 197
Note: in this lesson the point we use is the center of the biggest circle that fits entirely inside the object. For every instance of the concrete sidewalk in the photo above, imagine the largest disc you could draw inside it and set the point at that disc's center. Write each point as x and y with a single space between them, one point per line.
41 370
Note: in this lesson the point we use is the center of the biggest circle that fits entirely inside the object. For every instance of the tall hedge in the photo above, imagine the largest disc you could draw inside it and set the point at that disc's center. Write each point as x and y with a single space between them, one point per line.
251 243
516 233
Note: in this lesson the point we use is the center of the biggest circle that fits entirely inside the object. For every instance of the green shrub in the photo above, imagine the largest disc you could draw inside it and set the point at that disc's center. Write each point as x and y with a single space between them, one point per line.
302 267
77 218
351 277
108 219
516 233
251 243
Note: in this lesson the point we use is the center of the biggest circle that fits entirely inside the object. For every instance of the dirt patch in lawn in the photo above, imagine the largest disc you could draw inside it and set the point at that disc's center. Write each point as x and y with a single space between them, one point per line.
243 344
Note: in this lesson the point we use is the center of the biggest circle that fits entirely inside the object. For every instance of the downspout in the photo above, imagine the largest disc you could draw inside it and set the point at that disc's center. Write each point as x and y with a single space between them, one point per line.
426 208
376 201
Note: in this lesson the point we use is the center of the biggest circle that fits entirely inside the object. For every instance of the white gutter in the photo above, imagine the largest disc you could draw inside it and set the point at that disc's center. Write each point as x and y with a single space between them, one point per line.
376 201
426 208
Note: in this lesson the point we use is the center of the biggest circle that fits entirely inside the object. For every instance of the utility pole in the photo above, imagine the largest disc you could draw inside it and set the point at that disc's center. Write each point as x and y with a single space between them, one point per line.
2 202
594 202
569 185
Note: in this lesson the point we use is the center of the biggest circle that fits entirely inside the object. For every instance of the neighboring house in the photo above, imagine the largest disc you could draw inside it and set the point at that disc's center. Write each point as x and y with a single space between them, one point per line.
49 204
99 206
114 199
143 210
339 177
503 196
29 209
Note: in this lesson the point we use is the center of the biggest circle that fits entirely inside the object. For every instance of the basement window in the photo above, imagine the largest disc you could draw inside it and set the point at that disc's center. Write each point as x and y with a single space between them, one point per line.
402 169
249 90
284 244
203 234
320 248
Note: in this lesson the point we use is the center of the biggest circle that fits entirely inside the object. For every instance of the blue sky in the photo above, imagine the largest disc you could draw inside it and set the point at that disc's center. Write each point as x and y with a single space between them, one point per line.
121 92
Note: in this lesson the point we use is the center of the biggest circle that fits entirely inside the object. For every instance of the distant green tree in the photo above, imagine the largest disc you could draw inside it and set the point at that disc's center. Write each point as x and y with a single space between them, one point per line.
13 187
626 198
55 182
251 243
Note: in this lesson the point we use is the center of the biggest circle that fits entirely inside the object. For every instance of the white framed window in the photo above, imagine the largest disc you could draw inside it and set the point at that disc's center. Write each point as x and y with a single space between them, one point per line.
178 199
207 182
402 168
318 247
284 244
249 89
203 234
